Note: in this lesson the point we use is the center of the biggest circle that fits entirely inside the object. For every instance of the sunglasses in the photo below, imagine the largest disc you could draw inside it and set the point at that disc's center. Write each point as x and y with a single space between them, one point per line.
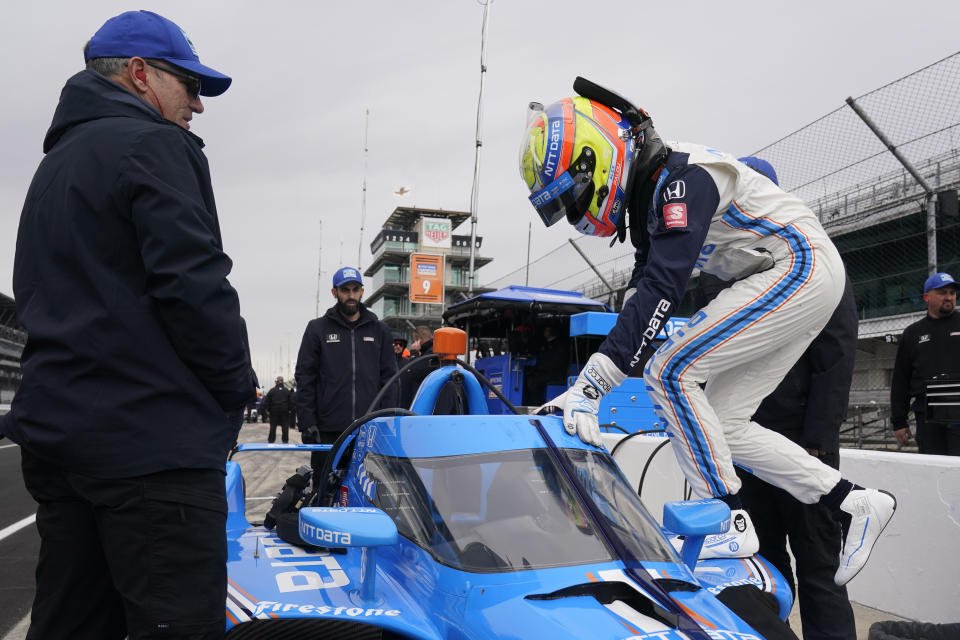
189 82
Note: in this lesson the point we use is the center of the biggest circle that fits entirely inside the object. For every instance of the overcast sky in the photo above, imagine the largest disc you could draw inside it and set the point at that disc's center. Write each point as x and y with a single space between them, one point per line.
285 143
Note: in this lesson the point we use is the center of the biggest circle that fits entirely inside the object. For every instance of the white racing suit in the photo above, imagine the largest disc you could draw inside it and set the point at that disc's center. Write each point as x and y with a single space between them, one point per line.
713 213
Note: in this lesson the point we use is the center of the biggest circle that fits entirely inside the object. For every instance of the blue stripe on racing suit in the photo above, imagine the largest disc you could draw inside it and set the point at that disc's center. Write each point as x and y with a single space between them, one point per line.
670 377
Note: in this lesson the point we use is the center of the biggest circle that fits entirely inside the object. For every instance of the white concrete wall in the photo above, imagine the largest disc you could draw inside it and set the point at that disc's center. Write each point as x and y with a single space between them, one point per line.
914 570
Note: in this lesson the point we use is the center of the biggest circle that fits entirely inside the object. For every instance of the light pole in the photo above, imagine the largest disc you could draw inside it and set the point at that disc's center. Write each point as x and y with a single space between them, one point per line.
474 191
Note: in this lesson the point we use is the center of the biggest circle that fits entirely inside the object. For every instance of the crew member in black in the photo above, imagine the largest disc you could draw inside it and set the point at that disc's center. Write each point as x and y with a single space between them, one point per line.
929 350
809 407
345 357
279 405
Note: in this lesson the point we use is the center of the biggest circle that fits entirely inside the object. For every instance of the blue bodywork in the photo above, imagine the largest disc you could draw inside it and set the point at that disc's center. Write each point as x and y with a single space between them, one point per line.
506 527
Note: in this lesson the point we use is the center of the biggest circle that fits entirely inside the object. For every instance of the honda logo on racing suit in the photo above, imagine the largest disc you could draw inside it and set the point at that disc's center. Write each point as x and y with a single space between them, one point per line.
674 190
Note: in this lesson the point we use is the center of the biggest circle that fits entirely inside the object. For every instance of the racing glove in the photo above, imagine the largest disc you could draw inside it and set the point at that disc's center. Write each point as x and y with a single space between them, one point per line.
581 402
310 435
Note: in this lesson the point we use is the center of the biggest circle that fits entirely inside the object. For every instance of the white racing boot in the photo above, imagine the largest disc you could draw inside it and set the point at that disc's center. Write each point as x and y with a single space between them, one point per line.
739 542
869 511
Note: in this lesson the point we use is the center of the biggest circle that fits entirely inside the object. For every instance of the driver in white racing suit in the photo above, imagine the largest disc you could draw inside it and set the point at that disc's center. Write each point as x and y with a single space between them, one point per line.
588 159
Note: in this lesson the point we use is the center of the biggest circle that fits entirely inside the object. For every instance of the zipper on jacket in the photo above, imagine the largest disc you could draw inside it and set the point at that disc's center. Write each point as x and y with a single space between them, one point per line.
353 367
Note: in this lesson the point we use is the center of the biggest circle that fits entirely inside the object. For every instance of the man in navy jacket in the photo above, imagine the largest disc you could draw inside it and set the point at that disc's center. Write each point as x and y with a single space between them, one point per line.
135 371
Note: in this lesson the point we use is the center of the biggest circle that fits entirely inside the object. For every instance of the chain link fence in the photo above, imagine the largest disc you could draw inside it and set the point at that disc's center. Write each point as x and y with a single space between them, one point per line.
882 173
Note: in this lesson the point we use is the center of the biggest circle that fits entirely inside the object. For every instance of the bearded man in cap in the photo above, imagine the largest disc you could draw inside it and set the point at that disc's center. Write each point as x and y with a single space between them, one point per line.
929 354
136 371
346 357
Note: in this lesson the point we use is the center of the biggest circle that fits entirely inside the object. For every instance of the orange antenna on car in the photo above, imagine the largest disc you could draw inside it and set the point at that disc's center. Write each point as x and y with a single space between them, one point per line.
448 343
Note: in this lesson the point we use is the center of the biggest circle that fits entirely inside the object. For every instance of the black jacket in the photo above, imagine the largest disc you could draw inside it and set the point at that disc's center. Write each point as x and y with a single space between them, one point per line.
135 348
279 400
929 347
341 367
810 404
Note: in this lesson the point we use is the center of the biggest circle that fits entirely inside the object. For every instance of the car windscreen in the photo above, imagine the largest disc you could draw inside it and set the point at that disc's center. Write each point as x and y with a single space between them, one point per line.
620 507
487 512
501 511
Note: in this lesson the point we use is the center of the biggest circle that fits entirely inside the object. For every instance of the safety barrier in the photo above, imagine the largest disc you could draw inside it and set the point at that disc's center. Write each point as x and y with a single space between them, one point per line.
914 568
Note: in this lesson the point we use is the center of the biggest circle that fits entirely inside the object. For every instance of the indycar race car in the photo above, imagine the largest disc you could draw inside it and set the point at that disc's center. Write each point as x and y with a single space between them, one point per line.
484 526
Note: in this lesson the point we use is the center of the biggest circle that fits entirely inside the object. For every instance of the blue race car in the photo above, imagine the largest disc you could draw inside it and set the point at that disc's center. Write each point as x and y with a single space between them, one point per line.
484 526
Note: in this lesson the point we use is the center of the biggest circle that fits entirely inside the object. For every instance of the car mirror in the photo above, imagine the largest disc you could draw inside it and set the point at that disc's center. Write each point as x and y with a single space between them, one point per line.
695 520
340 527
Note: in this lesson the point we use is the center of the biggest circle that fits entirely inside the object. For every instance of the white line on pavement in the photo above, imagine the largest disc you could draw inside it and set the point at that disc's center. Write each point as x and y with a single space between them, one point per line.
7 446
16 526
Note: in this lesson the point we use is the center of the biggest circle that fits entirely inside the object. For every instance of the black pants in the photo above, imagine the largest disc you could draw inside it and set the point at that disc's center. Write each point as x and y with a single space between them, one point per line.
279 418
938 438
815 539
143 556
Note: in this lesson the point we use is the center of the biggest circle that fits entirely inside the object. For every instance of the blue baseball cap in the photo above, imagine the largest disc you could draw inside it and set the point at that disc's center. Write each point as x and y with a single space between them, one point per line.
147 35
938 280
345 275
761 166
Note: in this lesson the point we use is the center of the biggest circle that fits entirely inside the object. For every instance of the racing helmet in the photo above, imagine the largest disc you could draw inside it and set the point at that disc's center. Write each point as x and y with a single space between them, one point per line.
574 158
581 157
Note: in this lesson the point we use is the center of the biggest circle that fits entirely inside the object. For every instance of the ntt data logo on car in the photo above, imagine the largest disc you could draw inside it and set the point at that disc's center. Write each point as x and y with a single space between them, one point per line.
324 535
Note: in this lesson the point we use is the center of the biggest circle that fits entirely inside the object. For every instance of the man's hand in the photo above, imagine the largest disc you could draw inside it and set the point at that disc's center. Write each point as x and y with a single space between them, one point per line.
902 435
581 402
310 435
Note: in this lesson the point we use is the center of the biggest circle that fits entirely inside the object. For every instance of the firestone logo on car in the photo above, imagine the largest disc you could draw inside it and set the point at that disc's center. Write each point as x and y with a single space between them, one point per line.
269 606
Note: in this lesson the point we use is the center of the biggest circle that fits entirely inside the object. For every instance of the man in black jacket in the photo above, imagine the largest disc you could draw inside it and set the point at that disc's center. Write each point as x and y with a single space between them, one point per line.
345 357
135 372
279 404
929 350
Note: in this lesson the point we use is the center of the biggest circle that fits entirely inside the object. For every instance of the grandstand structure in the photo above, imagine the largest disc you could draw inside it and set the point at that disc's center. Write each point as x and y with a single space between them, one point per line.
12 340
882 173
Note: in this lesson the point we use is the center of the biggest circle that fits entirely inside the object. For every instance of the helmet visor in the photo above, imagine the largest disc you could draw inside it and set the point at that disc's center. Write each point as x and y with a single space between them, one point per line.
566 197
